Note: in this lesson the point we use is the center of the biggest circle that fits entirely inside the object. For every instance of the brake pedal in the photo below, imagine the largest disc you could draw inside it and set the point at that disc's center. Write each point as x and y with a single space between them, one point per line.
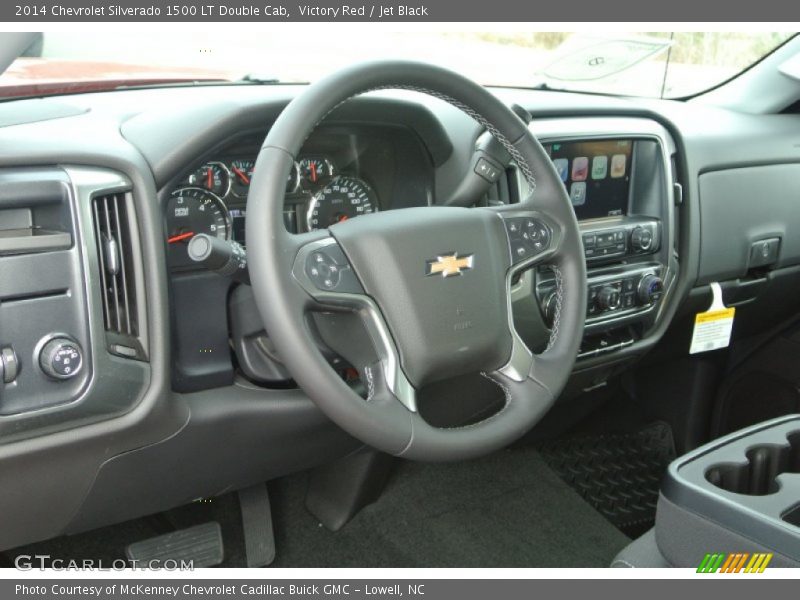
201 544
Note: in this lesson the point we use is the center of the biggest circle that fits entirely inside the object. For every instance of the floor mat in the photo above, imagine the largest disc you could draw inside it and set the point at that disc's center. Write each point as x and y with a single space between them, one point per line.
107 544
618 474
506 510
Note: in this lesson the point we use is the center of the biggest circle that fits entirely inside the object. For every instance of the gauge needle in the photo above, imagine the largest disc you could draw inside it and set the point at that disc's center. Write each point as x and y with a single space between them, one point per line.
313 172
245 179
178 238
209 179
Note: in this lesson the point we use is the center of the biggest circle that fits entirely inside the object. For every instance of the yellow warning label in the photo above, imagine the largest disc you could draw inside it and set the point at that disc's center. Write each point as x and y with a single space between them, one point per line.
714 315
712 330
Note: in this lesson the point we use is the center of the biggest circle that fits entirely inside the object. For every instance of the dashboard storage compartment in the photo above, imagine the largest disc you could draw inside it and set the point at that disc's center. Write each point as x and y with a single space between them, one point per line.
30 239
742 489
740 233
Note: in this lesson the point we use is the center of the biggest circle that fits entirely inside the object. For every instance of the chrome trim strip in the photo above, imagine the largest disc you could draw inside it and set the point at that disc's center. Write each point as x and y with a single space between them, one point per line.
606 349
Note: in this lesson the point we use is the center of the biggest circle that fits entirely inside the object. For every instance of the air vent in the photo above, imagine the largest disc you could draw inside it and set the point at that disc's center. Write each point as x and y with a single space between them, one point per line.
117 275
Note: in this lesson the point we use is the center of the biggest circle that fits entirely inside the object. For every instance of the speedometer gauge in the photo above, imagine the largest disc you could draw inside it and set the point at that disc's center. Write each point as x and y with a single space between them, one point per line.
342 199
191 211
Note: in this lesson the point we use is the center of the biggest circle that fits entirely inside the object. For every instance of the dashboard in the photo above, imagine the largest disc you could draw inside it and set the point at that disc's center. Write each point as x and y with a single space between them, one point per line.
96 191
617 173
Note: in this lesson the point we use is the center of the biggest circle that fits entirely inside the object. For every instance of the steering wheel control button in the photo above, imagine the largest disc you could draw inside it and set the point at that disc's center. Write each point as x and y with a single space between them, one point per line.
519 251
61 358
536 234
528 237
9 364
329 271
488 170
322 270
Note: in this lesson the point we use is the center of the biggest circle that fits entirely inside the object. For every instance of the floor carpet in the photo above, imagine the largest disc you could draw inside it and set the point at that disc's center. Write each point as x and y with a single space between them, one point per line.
506 510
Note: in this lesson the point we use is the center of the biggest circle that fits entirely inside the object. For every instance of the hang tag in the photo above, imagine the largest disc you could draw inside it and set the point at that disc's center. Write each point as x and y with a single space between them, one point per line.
712 329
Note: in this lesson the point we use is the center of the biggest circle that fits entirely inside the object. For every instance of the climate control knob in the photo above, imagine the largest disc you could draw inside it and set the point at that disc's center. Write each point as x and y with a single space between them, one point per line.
609 298
642 239
61 358
651 288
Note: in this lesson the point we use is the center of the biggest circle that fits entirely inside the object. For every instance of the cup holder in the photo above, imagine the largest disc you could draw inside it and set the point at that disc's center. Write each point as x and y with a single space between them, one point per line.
758 476
793 516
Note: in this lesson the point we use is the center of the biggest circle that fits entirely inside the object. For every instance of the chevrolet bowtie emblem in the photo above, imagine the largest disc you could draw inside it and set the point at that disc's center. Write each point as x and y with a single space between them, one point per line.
449 265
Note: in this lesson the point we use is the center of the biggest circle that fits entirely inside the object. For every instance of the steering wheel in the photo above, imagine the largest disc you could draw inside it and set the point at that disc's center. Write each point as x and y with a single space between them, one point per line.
418 295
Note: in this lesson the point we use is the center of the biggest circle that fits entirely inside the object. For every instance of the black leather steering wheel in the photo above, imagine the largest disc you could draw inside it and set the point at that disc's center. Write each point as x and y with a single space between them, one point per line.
417 295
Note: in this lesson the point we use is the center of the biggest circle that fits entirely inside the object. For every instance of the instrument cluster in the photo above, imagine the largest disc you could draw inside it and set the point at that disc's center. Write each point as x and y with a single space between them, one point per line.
212 200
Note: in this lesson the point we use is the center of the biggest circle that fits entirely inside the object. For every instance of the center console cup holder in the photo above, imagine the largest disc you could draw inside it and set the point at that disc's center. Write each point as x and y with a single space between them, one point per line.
793 516
758 476
741 491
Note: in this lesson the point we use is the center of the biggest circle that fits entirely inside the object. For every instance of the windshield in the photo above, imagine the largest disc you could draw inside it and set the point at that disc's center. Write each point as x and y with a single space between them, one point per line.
669 65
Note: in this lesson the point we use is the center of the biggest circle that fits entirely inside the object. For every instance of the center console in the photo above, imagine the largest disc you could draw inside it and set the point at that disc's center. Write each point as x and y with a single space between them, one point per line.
737 494
618 174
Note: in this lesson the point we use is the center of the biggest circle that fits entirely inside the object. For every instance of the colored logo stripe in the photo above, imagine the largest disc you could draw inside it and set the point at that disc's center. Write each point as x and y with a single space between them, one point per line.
710 563
758 563
734 563
732 560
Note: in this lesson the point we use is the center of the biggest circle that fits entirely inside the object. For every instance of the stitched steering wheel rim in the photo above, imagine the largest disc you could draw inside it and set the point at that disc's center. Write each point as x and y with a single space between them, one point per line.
284 295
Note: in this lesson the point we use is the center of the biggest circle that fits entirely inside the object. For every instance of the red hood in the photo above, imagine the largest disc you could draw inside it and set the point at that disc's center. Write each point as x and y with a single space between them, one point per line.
37 76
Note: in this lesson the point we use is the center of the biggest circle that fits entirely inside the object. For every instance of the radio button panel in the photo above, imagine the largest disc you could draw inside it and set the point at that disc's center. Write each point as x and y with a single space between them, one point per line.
636 238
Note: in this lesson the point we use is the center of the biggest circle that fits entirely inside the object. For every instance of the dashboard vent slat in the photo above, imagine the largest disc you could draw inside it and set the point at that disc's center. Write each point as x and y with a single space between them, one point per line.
114 251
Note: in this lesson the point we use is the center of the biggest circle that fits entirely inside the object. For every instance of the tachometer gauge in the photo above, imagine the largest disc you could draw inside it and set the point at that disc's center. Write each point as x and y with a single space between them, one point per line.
212 176
191 211
316 170
342 199
241 174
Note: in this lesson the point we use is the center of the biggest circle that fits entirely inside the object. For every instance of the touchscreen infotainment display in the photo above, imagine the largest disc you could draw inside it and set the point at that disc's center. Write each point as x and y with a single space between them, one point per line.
596 174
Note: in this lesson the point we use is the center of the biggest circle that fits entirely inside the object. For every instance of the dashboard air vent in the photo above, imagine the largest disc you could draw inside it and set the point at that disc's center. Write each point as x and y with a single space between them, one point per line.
115 251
